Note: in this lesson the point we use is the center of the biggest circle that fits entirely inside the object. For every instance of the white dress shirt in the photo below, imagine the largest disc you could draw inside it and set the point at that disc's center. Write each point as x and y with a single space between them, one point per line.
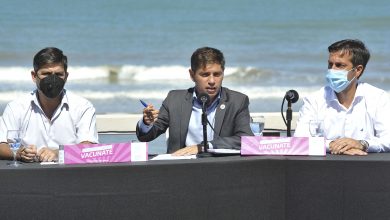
73 121
368 117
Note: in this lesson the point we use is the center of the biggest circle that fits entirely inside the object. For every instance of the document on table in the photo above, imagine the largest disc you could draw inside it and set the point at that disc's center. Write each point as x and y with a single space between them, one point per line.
49 163
171 157
224 151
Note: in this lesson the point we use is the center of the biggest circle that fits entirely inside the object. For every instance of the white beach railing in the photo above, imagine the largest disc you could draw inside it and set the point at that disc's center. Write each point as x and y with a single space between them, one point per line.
121 122
118 122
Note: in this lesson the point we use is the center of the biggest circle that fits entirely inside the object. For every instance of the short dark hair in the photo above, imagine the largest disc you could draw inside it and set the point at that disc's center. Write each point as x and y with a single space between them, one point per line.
49 55
359 52
206 55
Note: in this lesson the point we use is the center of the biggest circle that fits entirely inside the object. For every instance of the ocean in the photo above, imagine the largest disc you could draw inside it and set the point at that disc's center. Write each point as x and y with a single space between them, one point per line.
120 51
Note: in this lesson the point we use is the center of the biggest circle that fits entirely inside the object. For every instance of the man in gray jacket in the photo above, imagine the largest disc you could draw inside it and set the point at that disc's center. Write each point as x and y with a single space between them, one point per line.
227 111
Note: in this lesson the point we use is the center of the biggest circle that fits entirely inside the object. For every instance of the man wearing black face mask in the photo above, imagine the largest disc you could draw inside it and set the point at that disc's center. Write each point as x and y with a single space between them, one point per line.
51 86
50 116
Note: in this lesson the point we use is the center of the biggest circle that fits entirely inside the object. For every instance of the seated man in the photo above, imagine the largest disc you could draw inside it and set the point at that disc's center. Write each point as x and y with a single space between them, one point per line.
49 116
181 111
355 114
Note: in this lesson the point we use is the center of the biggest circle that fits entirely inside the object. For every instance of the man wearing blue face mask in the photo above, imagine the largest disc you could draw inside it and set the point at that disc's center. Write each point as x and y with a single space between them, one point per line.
354 114
49 116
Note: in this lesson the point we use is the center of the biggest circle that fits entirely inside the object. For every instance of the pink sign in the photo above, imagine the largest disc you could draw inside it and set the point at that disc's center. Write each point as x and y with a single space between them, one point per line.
103 153
259 145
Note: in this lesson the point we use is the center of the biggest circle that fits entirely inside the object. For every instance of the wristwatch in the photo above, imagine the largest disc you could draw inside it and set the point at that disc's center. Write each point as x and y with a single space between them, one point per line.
364 144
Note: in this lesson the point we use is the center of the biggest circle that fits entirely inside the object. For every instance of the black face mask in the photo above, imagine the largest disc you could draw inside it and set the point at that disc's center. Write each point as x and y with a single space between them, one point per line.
51 85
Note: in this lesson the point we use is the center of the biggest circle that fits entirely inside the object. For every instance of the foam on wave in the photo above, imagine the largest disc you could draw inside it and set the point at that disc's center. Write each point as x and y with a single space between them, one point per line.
126 72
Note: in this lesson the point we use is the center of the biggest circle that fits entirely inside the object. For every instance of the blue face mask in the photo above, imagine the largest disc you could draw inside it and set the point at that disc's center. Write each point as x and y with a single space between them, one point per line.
338 79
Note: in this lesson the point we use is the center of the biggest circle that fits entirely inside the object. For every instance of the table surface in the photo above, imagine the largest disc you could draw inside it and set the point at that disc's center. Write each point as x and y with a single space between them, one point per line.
382 157
229 187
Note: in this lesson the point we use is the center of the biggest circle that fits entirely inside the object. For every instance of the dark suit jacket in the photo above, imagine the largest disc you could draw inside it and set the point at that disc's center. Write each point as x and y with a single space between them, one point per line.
231 120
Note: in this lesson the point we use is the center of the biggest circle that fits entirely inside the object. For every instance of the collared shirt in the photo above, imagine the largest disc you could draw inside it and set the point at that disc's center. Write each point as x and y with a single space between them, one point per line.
366 119
73 121
195 127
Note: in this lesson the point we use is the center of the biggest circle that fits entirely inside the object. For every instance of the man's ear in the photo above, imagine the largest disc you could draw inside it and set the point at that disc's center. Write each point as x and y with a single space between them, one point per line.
66 76
192 74
359 71
33 76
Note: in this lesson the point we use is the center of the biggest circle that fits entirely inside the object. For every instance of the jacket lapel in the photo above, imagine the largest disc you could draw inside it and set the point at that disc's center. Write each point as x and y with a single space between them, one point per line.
186 110
220 112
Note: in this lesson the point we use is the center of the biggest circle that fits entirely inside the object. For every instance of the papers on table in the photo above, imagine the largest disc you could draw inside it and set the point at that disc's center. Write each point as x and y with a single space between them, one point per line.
171 157
49 163
224 151
213 151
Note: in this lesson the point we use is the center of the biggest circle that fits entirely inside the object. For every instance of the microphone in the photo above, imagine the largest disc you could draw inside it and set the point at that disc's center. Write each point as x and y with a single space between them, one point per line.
291 96
204 98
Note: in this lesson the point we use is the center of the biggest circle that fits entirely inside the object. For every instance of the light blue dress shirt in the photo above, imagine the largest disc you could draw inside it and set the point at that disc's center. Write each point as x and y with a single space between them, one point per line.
195 127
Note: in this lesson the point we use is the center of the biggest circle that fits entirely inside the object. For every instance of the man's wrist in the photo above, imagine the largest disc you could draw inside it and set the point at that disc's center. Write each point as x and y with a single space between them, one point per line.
200 148
364 145
144 123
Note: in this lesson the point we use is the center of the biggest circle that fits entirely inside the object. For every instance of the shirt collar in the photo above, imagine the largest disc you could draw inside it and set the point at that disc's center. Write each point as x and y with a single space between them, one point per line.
332 94
64 100
359 94
197 104
359 90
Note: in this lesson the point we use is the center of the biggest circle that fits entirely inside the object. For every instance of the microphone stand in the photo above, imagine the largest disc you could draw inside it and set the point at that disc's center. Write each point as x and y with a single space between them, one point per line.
291 97
204 153
289 118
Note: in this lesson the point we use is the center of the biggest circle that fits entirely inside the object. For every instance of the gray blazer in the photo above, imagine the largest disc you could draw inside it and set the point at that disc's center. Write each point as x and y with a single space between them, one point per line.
231 120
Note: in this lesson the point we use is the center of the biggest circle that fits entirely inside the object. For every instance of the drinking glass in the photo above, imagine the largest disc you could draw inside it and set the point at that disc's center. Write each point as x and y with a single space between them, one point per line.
14 141
257 125
316 128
